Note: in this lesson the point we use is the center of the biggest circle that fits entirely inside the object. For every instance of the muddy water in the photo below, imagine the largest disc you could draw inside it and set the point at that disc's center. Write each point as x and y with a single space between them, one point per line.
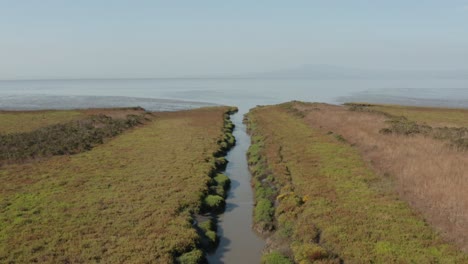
238 242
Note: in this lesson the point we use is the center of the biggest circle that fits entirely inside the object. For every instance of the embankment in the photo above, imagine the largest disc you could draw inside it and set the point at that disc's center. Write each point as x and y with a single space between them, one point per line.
213 202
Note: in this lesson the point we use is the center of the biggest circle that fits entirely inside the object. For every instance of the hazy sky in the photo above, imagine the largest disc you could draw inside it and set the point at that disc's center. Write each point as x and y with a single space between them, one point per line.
99 38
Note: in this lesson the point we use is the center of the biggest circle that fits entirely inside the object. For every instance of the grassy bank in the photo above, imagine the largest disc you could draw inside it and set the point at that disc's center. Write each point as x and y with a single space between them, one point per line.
423 150
132 199
319 202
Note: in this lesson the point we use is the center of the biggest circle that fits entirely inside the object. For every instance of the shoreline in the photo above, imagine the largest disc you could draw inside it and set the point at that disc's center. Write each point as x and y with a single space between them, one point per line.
44 102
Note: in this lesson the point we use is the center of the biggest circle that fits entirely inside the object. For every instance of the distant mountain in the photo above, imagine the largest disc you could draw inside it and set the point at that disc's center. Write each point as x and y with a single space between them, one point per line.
338 72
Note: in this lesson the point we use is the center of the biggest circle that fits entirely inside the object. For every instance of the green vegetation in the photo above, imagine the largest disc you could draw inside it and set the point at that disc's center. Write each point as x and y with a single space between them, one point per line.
193 257
308 252
265 191
275 258
130 200
263 214
222 180
328 208
220 185
207 231
214 203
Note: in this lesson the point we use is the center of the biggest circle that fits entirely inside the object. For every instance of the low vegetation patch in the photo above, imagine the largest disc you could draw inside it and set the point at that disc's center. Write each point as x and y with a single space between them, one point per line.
64 138
415 120
329 206
192 257
263 182
130 200
275 258
433 116
32 120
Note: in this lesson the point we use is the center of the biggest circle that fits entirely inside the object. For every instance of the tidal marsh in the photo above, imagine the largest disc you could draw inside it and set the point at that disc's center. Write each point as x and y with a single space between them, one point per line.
329 205
131 199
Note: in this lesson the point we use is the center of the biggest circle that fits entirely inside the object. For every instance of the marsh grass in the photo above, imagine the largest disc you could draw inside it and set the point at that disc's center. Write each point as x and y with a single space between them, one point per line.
427 169
27 121
330 206
130 200
67 138
275 258
264 188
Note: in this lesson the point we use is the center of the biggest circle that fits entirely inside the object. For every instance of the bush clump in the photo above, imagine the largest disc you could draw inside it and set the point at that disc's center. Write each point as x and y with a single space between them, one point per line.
214 202
263 214
219 185
222 180
263 191
275 258
207 232
218 190
193 257
221 163
212 237
308 252
401 125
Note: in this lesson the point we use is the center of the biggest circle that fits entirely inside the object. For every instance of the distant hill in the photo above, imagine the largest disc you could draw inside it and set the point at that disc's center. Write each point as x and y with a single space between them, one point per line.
311 71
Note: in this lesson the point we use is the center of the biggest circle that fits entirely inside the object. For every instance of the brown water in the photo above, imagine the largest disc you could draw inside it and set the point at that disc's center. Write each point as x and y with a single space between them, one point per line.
238 242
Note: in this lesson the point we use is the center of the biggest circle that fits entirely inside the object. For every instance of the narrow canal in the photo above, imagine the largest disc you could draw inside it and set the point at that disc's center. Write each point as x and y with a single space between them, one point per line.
238 242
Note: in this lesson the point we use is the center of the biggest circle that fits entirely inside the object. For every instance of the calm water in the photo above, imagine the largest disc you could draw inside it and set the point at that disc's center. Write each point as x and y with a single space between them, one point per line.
243 93
238 243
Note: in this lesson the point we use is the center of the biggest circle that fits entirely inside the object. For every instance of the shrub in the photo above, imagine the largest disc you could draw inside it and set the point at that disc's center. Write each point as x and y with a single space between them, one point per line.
212 238
193 257
218 190
263 192
207 225
263 213
308 251
222 180
214 202
275 258
229 139
401 125
221 163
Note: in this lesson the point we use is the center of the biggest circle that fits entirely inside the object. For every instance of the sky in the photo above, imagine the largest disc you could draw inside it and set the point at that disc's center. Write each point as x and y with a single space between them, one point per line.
137 38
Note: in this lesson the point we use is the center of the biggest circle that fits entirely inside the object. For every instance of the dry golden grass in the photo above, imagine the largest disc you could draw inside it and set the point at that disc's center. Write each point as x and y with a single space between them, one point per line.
432 177
127 201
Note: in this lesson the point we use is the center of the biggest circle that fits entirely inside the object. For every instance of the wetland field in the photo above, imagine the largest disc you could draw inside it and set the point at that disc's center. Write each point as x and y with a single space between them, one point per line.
359 183
147 180
130 196
240 132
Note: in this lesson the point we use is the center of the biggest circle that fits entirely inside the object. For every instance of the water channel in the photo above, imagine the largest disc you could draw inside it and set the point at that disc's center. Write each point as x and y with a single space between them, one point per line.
238 242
